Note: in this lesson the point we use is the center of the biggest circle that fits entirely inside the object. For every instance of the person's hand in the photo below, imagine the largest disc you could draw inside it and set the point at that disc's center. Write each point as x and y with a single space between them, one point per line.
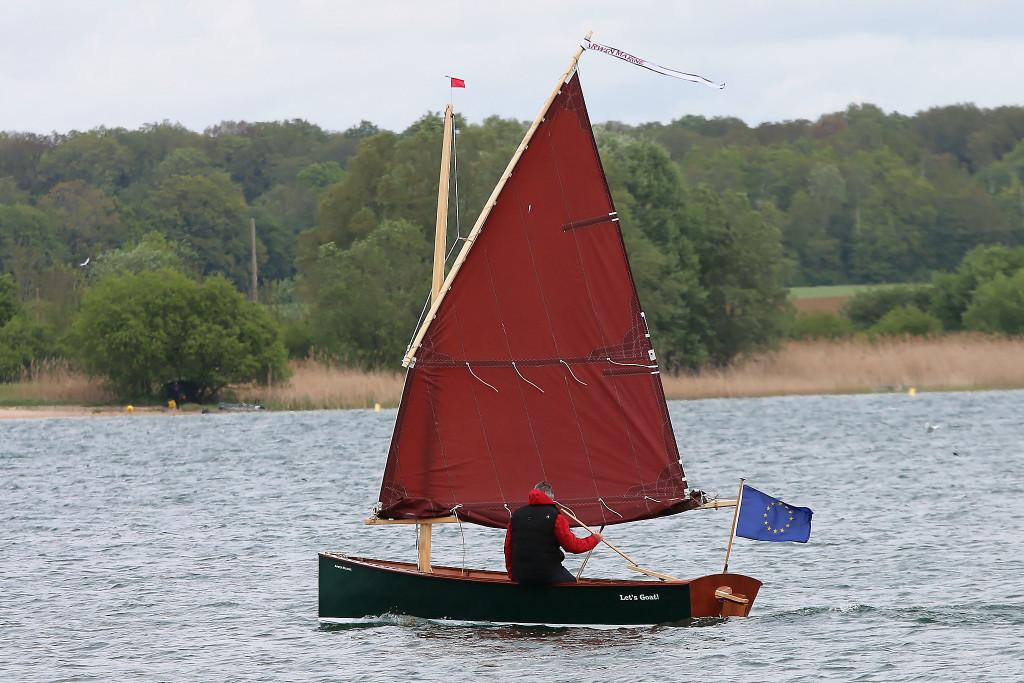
598 536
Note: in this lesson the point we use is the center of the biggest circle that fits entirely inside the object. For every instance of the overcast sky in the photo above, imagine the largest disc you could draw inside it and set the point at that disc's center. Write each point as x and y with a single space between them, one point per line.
70 65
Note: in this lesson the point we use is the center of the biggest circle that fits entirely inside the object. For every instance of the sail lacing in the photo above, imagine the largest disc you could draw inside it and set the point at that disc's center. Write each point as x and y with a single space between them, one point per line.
601 501
480 380
524 379
635 365
563 505
571 372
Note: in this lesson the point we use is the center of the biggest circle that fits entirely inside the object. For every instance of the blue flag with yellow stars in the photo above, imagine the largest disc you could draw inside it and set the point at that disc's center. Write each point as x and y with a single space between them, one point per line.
764 518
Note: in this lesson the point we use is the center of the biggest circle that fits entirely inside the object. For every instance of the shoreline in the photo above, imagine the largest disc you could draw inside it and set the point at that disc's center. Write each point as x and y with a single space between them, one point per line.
960 362
26 412
43 412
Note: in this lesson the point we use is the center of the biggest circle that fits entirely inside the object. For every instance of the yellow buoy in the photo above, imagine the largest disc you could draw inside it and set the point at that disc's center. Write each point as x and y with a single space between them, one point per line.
129 409
912 392
376 407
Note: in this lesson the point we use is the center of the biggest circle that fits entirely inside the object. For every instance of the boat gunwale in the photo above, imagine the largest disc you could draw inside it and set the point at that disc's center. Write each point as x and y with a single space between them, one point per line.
485 575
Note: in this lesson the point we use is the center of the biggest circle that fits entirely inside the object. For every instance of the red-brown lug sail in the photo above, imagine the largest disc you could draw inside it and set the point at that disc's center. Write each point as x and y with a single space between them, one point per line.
538 363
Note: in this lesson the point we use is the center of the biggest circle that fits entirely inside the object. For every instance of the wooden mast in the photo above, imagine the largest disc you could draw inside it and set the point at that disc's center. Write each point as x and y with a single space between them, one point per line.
441 226
435 302
440 284
424 528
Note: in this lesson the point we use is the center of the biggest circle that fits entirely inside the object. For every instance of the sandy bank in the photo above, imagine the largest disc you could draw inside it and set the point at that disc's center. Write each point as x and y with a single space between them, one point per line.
84 411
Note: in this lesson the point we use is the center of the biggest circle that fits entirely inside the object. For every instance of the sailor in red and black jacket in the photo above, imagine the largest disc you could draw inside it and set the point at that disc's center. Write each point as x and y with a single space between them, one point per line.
536 535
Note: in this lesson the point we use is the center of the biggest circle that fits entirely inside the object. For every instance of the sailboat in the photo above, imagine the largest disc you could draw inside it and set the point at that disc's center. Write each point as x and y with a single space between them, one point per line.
534 362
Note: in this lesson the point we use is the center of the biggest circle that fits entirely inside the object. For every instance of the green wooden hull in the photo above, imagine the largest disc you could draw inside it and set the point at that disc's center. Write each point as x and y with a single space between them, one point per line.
355 588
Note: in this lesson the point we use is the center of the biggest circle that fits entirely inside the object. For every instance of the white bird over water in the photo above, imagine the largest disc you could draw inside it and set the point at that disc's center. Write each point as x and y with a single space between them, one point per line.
929 427
85 262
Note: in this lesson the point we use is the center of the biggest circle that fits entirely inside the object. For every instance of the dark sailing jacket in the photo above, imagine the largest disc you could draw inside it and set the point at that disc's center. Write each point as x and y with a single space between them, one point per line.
535 538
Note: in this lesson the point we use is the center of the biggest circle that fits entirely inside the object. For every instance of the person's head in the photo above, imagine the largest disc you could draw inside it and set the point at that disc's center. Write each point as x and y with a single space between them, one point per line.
546 489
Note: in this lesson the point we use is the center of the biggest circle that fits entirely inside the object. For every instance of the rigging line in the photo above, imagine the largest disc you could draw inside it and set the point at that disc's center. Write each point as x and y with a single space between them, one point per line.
419 322
635 365
571 372
455 172
654 499
524 379
463 532
474 375
587 558
601 501
455 243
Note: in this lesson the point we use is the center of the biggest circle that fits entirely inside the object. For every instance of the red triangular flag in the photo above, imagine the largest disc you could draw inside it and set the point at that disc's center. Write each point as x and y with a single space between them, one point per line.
458 83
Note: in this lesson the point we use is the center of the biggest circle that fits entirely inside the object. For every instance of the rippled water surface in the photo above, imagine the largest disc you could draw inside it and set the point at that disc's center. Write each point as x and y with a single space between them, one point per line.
184 549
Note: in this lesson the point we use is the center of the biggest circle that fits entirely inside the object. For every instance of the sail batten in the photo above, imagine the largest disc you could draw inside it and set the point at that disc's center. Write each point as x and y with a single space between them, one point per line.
537 363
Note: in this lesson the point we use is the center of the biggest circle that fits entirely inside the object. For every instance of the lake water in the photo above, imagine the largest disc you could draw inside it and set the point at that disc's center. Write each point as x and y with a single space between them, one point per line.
185 549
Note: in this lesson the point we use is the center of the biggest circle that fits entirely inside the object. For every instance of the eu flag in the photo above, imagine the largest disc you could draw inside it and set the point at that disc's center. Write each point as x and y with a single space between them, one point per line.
764 518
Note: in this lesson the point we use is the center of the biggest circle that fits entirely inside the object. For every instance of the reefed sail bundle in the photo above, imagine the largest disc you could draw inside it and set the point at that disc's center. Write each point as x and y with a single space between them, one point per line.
538 363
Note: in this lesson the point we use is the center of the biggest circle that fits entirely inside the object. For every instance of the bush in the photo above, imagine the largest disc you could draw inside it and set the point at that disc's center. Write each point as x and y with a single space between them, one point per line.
998 306
868 308
140 331
953 293
907 320
22 341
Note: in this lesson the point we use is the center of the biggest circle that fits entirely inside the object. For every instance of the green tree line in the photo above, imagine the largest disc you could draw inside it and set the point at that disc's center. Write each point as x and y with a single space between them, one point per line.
718 216
984 294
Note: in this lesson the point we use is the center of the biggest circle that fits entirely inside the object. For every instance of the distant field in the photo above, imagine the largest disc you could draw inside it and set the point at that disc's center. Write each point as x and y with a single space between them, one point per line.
825 304
828 299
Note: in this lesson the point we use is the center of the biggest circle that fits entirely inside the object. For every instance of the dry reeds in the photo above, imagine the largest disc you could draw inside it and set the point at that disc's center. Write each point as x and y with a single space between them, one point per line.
314 386
54 382
954 361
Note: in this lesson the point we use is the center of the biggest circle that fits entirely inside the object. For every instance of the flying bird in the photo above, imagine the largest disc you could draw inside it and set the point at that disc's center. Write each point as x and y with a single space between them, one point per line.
84 263
929 427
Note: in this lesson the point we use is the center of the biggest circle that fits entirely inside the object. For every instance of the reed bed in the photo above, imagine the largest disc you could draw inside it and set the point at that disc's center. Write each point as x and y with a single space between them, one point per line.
315 386
860 365
53 382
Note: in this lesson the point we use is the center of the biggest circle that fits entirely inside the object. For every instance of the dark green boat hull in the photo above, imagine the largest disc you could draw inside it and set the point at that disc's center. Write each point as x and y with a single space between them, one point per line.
356 588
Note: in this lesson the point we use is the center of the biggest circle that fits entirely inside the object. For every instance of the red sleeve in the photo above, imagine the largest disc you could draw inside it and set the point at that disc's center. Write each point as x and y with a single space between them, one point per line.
508 551
568 540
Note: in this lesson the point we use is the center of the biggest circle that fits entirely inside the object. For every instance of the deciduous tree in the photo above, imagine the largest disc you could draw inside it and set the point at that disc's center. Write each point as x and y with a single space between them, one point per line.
141 331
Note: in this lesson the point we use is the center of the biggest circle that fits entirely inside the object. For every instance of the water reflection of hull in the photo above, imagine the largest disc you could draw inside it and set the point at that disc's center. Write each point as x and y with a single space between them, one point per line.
353 588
